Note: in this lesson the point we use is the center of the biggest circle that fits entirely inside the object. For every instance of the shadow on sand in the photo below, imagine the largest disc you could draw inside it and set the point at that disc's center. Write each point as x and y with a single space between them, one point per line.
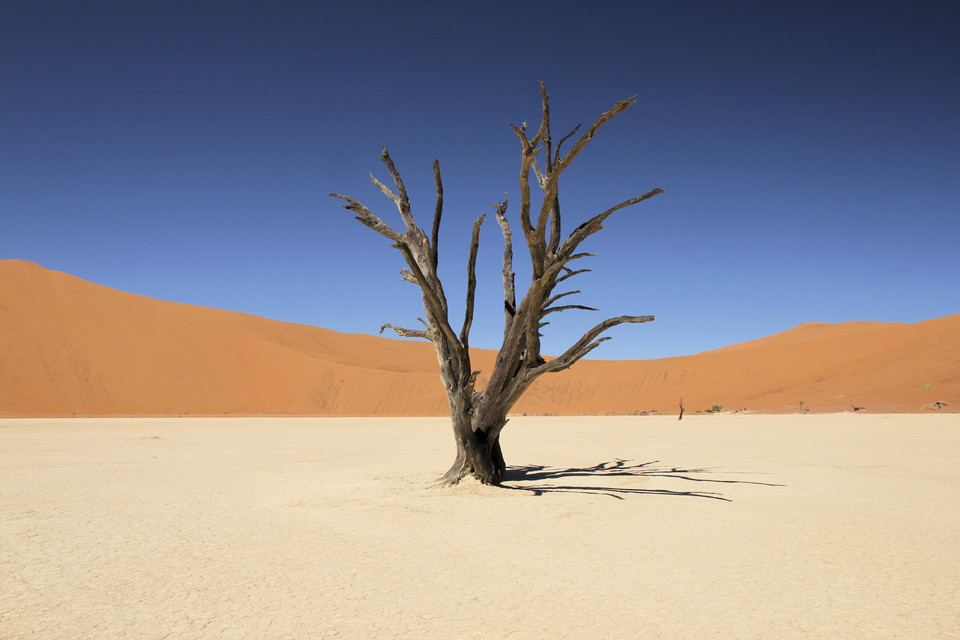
536 479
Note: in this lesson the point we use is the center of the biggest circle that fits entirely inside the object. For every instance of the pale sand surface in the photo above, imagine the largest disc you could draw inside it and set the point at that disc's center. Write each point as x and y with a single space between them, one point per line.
829 526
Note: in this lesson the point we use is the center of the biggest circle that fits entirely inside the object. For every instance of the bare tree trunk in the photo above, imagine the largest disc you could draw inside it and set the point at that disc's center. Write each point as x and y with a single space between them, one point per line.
478 452
479 417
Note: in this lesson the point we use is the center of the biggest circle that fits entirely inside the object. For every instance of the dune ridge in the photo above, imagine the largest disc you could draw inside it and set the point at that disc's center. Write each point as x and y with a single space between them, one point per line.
72 347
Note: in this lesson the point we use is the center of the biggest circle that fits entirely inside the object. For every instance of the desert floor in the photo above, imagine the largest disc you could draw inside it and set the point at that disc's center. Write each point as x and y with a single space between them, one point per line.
725 526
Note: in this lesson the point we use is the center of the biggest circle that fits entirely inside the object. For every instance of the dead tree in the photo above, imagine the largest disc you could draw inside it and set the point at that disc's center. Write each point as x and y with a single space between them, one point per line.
478 416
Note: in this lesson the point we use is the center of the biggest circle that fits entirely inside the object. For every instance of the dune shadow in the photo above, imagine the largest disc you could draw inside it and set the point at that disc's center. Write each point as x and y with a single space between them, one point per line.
539 479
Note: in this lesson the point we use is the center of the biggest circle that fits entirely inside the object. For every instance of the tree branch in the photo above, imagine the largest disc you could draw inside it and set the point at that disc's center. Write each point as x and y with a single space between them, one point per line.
397 200
541 179
569 274
400 198
586 344
434 303
528 156
560 263
509 291
554 226
567 308
544 116
471 283
437 213
535 243
550 207
408 333
368 219
556 153
558 296
545 131
595 223
582 142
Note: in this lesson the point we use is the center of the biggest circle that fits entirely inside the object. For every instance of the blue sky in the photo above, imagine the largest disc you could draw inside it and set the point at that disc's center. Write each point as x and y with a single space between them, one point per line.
810 153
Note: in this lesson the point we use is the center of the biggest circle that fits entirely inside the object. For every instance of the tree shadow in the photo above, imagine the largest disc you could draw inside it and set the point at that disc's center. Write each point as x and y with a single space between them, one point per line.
535 479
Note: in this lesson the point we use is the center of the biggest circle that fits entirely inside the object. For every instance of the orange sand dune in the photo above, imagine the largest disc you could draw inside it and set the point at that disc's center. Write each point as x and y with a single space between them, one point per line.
71 347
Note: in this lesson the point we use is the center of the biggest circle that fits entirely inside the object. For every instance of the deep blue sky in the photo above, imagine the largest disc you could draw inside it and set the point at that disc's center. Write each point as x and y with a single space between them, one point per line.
184 150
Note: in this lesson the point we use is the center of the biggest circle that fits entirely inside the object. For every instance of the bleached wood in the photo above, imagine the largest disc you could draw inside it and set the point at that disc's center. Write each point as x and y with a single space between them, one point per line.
478 417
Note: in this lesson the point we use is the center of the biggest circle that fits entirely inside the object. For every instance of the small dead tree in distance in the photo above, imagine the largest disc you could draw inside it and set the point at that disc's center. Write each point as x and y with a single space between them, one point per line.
478 417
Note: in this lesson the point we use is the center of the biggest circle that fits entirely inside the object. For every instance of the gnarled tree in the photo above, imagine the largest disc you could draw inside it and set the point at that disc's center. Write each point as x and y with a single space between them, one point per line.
479 416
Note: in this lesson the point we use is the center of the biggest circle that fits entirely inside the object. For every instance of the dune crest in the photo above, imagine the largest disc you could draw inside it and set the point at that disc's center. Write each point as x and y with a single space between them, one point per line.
72 347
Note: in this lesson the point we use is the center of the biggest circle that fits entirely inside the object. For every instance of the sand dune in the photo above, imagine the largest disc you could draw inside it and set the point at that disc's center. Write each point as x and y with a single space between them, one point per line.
71 347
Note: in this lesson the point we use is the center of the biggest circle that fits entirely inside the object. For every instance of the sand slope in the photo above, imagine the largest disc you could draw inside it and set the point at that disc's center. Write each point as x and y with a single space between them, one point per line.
71 347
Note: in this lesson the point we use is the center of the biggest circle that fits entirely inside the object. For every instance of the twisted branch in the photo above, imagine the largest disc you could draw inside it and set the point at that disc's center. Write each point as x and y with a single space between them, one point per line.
408 333
586 344
595 223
